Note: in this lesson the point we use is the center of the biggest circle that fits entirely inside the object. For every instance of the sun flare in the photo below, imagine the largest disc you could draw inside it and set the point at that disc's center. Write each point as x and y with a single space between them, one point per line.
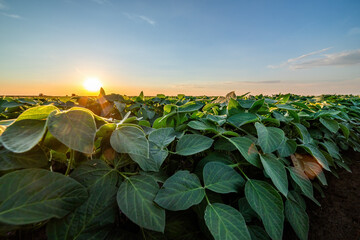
92 84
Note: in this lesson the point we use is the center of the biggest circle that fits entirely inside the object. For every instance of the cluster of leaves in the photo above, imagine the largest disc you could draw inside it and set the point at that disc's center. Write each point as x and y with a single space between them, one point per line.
116 167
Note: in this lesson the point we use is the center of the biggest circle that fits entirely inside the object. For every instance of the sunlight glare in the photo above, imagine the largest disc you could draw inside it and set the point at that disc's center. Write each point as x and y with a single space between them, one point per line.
92 84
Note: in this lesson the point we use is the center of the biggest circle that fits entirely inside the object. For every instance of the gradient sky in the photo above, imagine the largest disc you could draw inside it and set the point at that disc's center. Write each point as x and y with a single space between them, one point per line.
193 47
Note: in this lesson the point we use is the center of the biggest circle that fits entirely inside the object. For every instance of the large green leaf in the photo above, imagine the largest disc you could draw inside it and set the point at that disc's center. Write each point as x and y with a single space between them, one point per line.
75 128
247 148
135 199
298 218
257 105
331 124
35 158
287 147
129 139
23 135
203 125
37 113
316 153
304 134
156 157
276 171
221 178
97 212
162 137
190 107
34 195
267 203
242 118
180 191
269 138
193 143
225 222
303 182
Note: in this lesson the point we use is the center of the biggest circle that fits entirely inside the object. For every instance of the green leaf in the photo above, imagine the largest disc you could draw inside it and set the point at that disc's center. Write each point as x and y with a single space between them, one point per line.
257 233
242 118
330 124
23 135
37 113
248 150
193 143
75 128
135 199
162 137
257 105
269 138
315 152
303 182
214 156
190 107
221 178
34 195
345 130
181 191
245 209
35 158
225 222
93 171
156 158
267 203
298 219
233 107
276 171
305 135
202 126
128 139
287 147
97 212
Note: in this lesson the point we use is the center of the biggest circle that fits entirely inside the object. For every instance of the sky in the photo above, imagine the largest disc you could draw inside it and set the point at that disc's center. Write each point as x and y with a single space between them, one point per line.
193 47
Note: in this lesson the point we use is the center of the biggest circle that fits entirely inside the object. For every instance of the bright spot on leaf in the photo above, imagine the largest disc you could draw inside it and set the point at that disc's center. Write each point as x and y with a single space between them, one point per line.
92 84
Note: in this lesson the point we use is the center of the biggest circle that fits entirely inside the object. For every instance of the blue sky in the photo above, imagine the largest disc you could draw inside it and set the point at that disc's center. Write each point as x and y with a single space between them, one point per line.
192 47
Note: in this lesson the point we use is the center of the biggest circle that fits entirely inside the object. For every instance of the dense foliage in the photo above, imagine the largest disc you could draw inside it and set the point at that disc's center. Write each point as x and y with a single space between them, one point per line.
117 167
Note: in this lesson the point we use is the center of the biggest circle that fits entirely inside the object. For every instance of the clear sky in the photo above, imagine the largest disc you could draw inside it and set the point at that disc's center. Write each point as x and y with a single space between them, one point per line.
194 47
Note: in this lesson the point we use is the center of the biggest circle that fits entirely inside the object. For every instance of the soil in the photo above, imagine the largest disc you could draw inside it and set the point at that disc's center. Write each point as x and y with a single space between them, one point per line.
338 218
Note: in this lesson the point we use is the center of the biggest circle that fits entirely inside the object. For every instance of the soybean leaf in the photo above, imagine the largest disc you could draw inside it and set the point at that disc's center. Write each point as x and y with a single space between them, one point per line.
269 138
257 233
75 128
287 147
203 126
247 149
162 137
96 213
303 182
156 157
345 130
305 135
215 156
129 139
242 118
298 218
257 105
181 191
225 222
193 143
190 107
221 178
93 171
23 135
135 199
315 152
34 195
331 124
267 203
37 113
276 171
35 158
245 209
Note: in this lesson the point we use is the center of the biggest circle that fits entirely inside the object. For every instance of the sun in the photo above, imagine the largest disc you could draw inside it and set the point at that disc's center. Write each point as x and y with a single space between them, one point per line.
92 84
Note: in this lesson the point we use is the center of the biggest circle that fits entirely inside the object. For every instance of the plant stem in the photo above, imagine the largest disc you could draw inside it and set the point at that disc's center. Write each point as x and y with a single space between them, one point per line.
243 173
71 160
